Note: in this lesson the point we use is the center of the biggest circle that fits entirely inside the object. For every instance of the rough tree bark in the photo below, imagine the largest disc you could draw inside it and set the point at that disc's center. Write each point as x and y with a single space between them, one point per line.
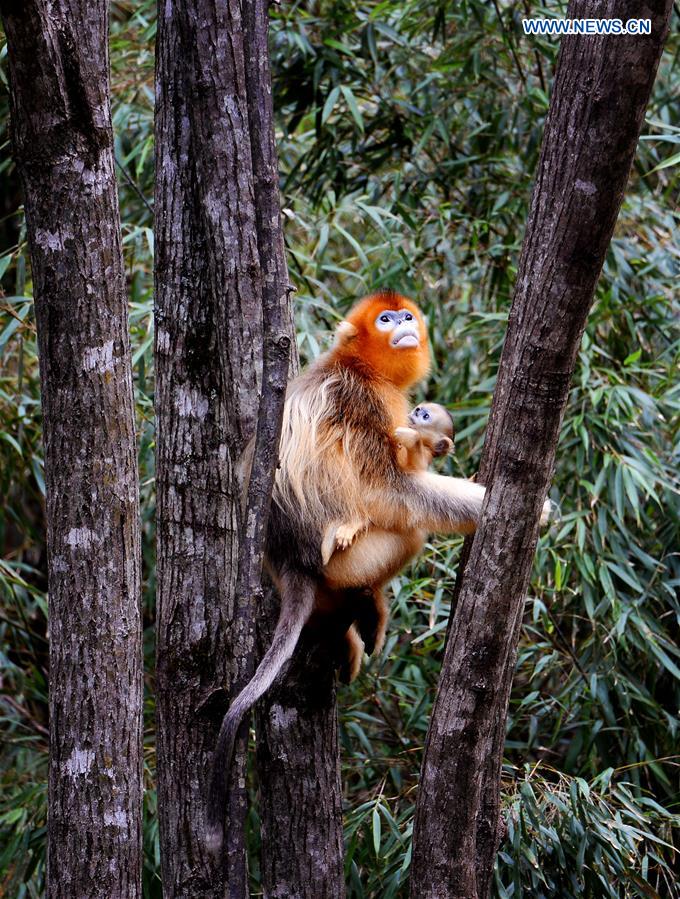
297 740
602 87
299 776
208 335
63 148
221 299
277 330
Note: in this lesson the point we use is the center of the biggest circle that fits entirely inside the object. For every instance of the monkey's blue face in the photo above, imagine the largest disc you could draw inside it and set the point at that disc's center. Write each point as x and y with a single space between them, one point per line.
420 417
403 325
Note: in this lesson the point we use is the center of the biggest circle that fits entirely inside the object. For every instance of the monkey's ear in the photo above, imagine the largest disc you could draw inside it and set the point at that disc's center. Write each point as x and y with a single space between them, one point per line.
453 425
346 331
442 447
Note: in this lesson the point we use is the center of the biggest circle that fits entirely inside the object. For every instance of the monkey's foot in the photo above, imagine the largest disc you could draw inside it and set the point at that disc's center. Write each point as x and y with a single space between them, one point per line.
372 632
370 608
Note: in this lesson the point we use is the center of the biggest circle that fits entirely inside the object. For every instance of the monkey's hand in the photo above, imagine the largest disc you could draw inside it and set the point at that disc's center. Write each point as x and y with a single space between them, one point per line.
407 437
340 536
549 513
346 534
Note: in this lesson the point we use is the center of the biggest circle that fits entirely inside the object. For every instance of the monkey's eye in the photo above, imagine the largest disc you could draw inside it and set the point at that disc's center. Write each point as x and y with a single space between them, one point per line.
408 317
426 415
385 321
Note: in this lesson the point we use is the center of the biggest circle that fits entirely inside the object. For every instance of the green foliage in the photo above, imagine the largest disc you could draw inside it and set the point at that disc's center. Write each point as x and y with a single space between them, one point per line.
409 133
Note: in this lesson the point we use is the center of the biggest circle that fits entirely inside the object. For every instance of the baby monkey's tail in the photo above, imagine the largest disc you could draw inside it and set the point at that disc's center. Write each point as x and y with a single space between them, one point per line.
297 603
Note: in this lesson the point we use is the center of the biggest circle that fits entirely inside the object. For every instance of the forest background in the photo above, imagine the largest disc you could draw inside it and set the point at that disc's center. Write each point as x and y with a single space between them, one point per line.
408 135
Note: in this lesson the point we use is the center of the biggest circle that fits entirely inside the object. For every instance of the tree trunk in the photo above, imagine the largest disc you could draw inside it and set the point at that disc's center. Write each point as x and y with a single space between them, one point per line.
299 776
298 757
599 98
221 285
208 340
62 137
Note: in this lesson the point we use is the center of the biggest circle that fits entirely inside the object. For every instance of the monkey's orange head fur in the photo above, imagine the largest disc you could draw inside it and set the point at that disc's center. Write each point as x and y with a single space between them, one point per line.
390 337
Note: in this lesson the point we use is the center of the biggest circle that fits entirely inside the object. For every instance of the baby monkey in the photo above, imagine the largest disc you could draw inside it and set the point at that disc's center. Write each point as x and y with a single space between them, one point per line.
430 436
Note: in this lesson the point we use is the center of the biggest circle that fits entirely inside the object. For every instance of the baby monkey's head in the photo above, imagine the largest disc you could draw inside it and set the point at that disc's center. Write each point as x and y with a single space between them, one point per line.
435 426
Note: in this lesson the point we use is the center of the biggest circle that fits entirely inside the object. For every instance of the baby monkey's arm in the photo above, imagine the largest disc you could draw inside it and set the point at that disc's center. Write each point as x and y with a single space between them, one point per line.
410 452
408 437
344 333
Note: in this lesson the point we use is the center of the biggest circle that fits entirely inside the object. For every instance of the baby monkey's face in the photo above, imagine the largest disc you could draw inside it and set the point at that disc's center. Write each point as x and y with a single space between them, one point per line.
435 425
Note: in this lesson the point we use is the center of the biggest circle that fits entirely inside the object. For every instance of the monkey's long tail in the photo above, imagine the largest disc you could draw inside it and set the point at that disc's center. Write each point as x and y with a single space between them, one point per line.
297 602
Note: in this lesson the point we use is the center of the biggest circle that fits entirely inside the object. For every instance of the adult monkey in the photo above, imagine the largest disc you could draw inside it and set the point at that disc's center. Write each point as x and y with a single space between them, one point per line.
339 462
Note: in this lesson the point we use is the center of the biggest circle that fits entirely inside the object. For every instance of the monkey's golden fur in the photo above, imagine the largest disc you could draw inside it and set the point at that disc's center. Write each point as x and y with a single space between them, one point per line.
339 461
338 449
418 445
340 457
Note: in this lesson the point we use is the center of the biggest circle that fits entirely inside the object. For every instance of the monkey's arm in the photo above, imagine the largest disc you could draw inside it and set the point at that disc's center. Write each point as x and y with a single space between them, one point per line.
433 502
439 503
411 452
408 437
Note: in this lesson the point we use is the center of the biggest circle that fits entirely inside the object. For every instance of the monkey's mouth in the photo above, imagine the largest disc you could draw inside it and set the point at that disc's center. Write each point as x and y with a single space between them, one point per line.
405 340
